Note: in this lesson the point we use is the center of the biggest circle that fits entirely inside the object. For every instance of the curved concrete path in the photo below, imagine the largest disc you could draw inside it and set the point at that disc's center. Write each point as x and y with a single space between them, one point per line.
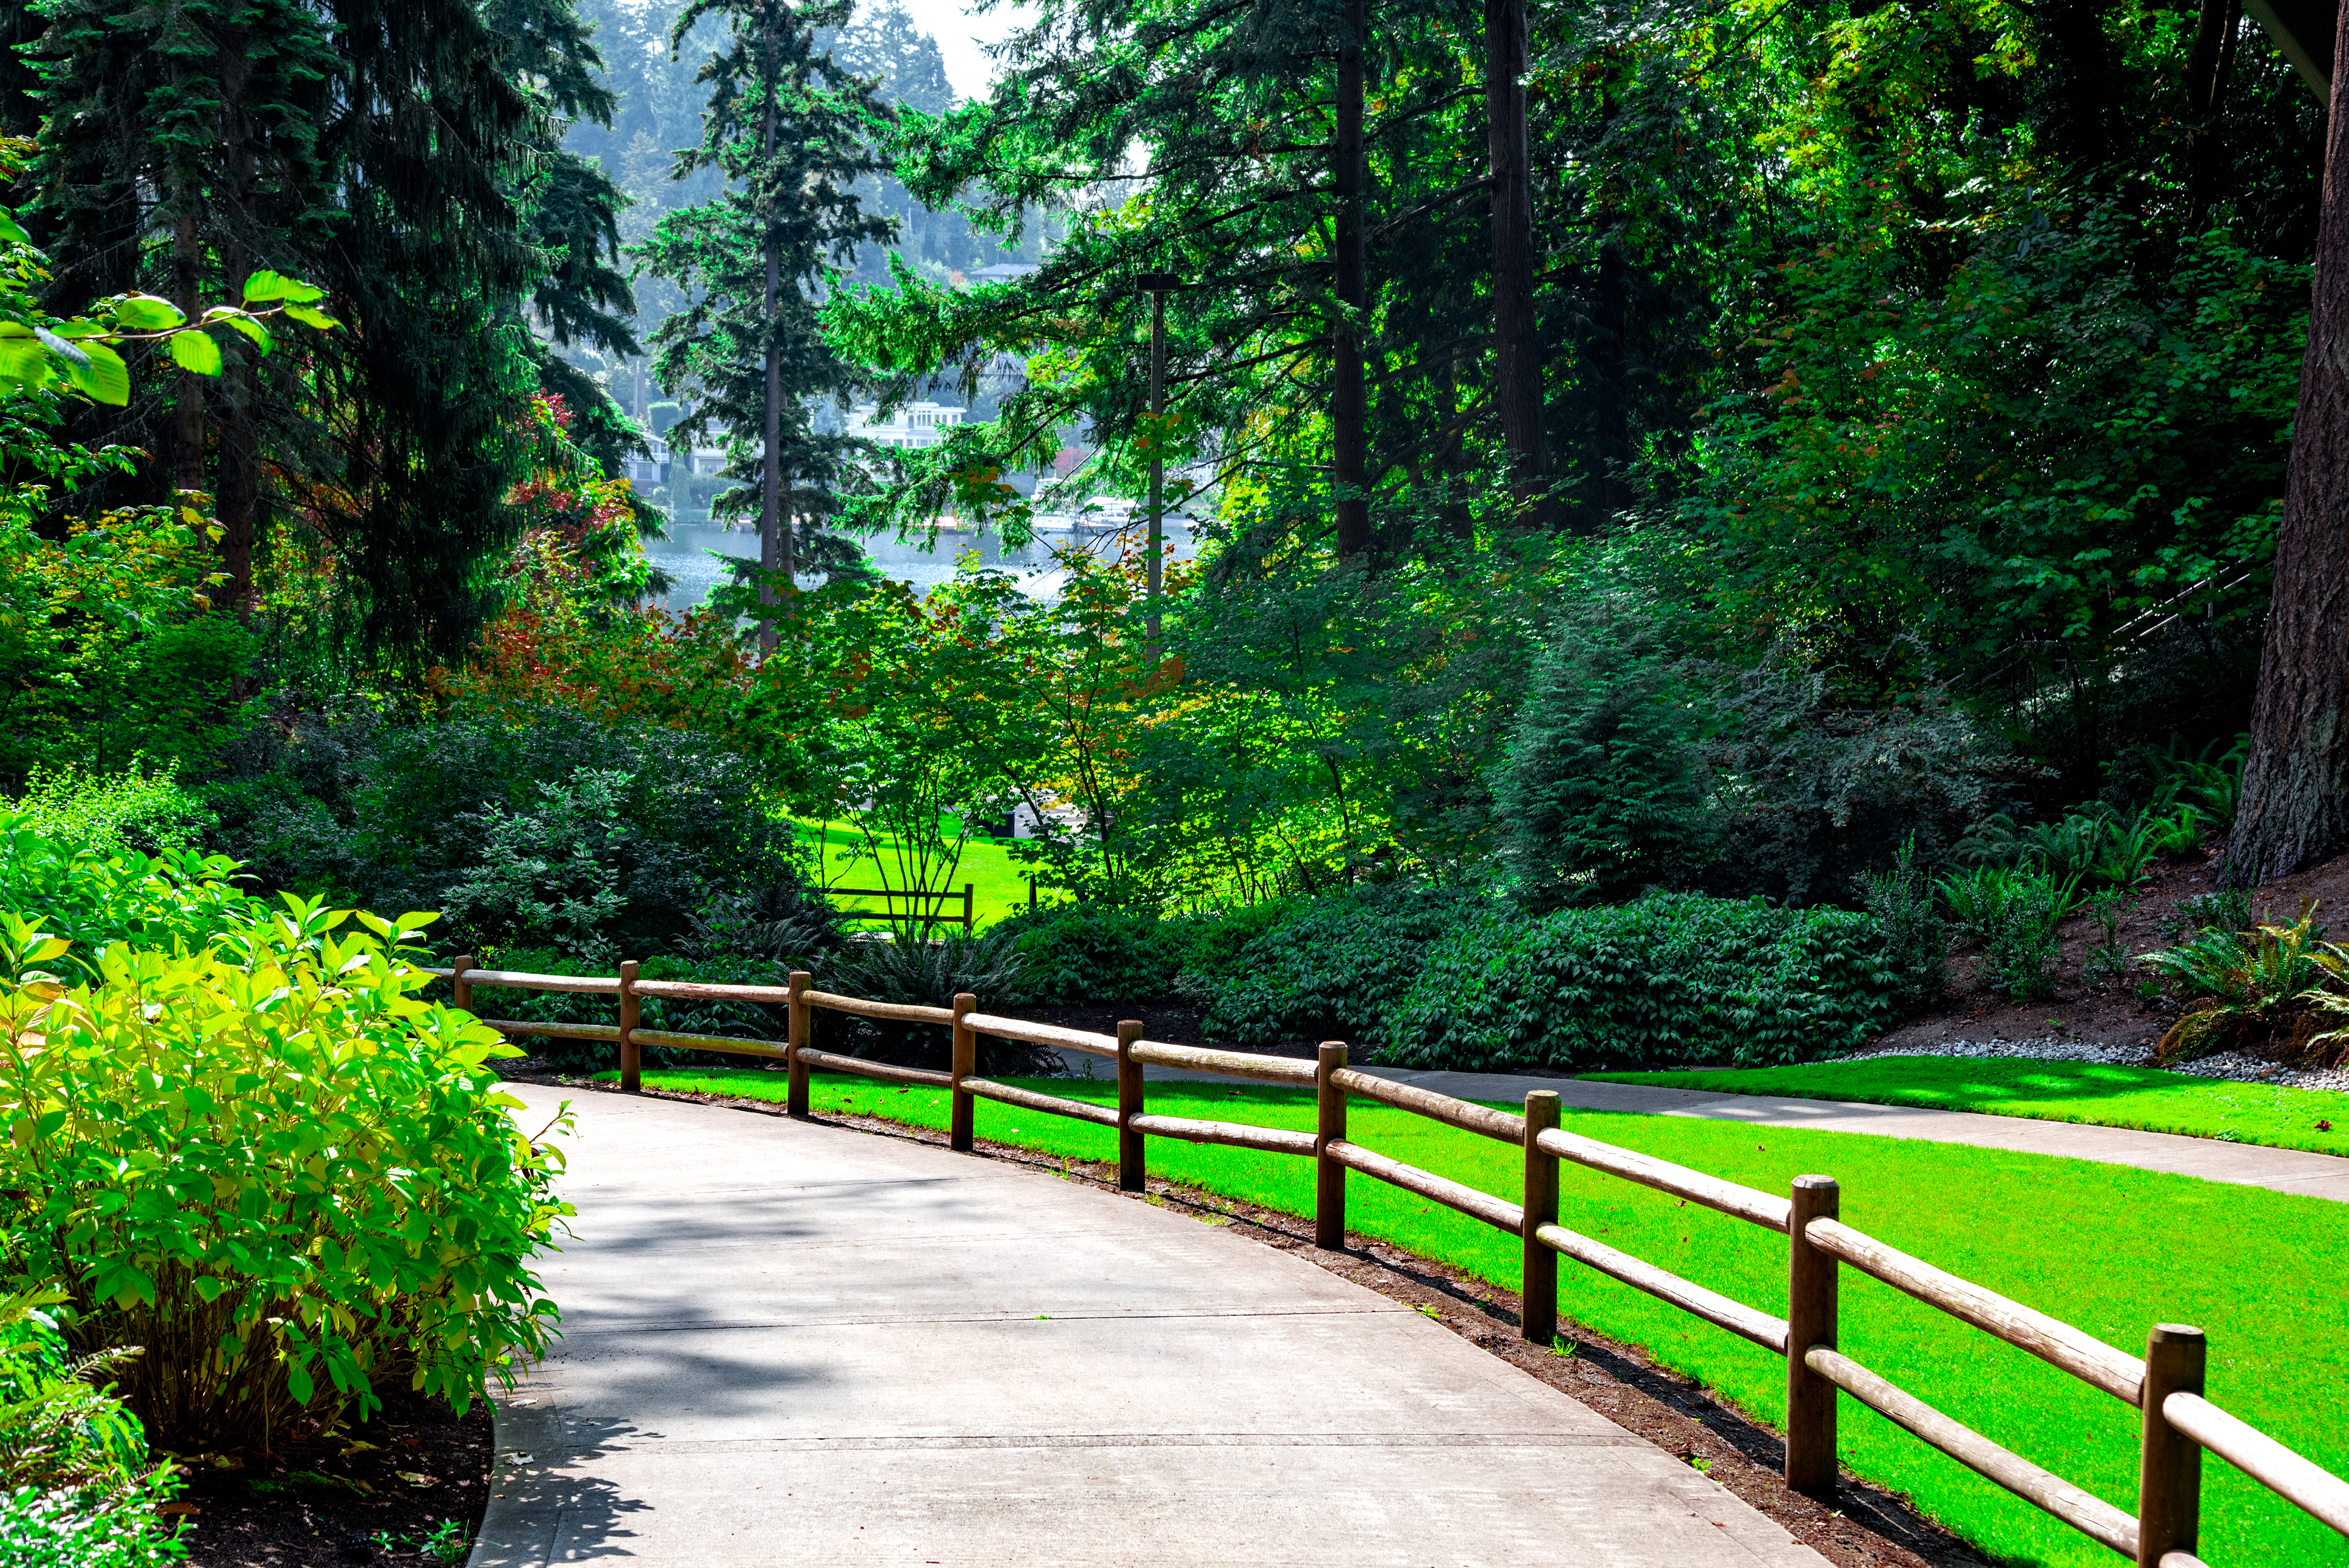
2245 1164
791 1344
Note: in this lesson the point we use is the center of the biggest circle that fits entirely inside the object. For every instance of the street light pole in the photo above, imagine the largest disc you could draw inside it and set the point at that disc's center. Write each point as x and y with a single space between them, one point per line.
1157 284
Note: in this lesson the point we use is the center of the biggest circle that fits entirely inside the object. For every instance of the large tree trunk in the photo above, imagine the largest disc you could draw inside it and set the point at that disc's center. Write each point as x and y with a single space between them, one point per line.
238 503
2296 801
1517 356
1349 401
188 422
774 541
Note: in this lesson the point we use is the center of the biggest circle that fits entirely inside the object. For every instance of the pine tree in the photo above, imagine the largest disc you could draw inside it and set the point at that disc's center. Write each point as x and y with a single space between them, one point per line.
792 131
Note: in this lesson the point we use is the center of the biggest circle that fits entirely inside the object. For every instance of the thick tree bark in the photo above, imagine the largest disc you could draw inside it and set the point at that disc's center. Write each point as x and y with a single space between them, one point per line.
774 540
2208 69
238 502
188 422
1516 354
1349 400
2295 799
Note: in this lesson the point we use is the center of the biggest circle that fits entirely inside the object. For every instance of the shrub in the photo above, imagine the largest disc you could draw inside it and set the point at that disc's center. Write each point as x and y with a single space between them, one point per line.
87 896
2016 914
131 811
1675 979
927 974
269 1163
1916 943
2270 987
75 1488
1333 967
1072 954
1603 789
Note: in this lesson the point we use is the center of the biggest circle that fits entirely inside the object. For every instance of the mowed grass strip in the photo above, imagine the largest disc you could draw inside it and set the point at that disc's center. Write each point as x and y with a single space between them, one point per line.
998 881
2143 1097
2109 1249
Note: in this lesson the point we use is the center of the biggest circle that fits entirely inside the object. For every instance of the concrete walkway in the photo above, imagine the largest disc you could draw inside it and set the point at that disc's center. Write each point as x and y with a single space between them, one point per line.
789 1344
2246 1164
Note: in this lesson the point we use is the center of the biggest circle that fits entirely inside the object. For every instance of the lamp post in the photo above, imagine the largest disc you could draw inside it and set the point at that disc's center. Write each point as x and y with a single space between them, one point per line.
1156 286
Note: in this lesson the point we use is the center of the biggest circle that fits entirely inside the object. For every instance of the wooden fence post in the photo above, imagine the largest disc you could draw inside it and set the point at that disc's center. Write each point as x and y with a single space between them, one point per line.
1330 1127
795 1091
1539 1289
1810 1320
962 1127
632 1055
1129 1106
2169 1471
969 893
461 989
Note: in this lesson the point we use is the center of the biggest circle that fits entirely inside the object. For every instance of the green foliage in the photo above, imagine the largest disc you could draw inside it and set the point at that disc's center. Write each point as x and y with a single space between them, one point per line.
1334 967
1671 979
1916 942
2268 986
134 809
2014 913
2108 959
2221 909
269 1163
1072 953
77 1490
930 975
1601 791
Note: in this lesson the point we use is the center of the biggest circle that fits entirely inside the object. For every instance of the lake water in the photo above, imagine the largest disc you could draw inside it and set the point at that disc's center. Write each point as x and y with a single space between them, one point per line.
687 555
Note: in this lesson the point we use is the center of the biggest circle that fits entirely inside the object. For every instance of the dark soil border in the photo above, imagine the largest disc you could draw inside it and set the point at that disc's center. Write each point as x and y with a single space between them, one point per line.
325 1500
1867 1526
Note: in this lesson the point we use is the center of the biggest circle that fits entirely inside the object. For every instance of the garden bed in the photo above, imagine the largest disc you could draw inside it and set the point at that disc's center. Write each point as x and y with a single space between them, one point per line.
406 1488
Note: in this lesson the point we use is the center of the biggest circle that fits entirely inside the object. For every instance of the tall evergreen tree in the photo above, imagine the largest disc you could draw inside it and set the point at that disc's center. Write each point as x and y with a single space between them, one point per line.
792 131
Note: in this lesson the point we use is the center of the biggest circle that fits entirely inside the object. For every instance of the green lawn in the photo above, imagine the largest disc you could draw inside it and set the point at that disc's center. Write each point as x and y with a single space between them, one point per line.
999 883
2110 1249
2053 1091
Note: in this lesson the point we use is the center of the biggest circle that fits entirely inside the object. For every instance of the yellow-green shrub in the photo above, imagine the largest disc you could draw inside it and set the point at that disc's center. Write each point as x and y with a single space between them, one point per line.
271 1165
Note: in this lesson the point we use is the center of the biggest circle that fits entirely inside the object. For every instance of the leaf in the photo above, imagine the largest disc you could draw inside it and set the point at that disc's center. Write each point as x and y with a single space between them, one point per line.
267 286
194 350
9 229
318 318
146 313
102 376
251 328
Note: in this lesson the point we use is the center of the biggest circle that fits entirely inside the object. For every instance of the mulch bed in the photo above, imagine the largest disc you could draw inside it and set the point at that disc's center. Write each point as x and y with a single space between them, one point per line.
332 1499
1866 1526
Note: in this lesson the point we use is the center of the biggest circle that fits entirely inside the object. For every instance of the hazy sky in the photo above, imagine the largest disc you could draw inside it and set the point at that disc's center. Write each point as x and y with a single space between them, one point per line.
960 36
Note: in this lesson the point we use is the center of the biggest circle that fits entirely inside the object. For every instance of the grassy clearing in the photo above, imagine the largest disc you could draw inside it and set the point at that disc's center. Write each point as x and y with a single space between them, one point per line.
2053 1091
999 882
2109 1249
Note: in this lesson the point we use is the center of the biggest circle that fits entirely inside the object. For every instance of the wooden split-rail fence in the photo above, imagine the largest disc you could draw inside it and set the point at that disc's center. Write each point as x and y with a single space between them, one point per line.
914 914
2165 1385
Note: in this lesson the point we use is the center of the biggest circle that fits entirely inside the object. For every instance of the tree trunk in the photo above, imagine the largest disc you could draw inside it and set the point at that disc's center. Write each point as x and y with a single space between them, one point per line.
238 503
2208 69
1516 353
1348 402
187 424
775 544
2295 799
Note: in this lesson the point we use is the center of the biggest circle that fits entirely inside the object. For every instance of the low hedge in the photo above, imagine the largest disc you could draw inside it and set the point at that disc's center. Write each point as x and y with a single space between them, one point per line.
1333 967
1675 980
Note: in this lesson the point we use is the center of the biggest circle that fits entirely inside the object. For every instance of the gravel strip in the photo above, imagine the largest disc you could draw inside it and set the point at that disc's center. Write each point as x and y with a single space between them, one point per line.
2242 1066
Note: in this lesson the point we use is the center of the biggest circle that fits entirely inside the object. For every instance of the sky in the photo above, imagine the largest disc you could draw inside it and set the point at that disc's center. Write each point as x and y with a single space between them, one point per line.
959 37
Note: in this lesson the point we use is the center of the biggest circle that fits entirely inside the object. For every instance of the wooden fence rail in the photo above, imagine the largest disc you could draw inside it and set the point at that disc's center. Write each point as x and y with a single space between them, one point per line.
2178 1422
914 898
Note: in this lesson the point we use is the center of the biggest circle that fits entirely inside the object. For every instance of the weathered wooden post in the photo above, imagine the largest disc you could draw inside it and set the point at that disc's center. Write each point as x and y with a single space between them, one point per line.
460 990
632 1055
1330 1127
795 1091
1810 1320
962 1127
2169 1471
1129 1106
1539 1269
970 907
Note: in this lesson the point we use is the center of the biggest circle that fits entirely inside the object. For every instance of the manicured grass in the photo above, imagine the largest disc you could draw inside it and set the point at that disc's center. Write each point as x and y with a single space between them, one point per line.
2109 1249
2051 1091
999 882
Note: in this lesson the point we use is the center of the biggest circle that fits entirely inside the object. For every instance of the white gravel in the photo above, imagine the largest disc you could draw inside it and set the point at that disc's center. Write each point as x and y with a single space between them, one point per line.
2240 1066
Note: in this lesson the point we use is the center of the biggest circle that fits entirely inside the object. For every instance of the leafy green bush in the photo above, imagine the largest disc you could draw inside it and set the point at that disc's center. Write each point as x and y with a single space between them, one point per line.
268 1162
75 1487
1603 787
928 974
2271 988
1672 980
130 811
91 896
1916 942
1333 967
1073 953
2017 914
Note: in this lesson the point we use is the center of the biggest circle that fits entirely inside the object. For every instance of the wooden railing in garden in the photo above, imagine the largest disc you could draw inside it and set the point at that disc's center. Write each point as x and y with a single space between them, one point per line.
913 899
2165 1385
